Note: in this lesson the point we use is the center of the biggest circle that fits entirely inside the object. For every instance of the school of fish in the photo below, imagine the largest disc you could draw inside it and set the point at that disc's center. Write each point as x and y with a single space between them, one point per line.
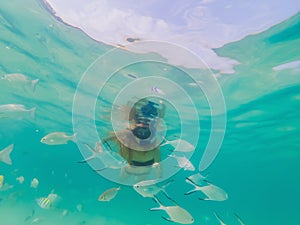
145 188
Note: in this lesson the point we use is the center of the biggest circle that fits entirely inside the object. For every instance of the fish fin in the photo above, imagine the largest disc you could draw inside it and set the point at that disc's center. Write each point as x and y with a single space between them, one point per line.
33 84
167 183
206 181
166 141
73 137
158 202
5 154
219 218
190 192
203 199
188 180
87 159
156 209
163 188
239 219
90 148
98 170
173 200
32 113
167 219
166 194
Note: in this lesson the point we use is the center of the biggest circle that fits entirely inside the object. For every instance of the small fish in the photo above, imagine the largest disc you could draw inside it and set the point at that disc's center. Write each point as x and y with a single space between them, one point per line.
219 219
44 203
132 76
180 145
79 207
20 179
213 192
176 213
239 219
58 138
47 202
34 183
148 188
183 162
131 39
5 154
16 111
65 212
108 195
156 90
18 78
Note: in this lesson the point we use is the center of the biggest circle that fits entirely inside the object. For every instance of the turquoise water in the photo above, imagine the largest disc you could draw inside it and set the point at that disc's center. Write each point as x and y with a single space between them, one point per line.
258 162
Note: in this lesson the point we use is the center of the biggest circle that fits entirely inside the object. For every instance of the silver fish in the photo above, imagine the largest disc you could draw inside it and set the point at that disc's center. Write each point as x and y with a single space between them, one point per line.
16 111
180 145
109 194
19 78
132 76
183 162
157 90
148 188
5 154
176 213
58 138
213 192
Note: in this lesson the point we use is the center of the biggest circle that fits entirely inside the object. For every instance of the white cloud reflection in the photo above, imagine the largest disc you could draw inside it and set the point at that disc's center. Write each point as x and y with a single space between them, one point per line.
196 25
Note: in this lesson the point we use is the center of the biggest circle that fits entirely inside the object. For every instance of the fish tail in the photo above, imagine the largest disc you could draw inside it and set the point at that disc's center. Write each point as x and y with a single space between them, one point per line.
166 185
5 154
166 141
239 219
156 209
73 137
33 84
161 207
191 191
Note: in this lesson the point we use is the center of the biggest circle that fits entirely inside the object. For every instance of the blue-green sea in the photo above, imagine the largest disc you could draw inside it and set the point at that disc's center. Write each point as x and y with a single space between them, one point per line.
259 159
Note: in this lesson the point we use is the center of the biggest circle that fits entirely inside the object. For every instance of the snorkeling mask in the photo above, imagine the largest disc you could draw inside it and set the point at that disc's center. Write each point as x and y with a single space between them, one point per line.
143 114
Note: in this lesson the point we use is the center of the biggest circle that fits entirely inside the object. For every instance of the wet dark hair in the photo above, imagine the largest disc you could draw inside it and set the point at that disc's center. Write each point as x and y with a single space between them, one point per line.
142 132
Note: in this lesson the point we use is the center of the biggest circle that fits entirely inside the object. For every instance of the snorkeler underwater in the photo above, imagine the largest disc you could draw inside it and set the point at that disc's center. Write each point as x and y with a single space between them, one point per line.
145 113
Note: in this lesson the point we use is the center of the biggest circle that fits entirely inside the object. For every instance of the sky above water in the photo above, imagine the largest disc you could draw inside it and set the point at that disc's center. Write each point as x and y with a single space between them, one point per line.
199 26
